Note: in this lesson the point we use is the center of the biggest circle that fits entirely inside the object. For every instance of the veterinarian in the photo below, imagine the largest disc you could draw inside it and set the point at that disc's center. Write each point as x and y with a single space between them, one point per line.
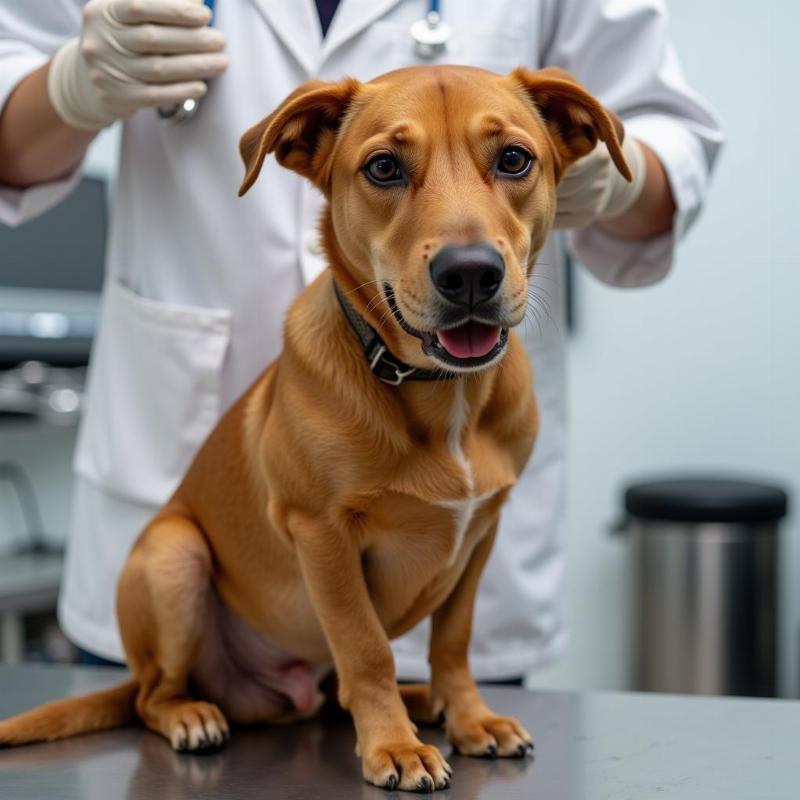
198 282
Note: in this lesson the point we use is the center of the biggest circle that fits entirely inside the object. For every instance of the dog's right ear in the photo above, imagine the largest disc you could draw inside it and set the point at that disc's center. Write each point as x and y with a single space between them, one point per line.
301 132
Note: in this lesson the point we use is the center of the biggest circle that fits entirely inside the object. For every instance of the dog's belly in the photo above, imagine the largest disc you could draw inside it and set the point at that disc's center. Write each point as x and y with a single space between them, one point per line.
251 677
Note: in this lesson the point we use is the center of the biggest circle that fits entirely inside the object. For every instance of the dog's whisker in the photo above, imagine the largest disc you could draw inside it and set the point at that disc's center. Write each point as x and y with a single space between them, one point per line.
546 308
368 283
375 302
532 307
538 304
536 275
388 314
526 321
361 286
541 291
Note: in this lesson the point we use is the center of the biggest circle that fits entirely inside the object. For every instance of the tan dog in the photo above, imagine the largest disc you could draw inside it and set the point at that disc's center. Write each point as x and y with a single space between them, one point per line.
330 511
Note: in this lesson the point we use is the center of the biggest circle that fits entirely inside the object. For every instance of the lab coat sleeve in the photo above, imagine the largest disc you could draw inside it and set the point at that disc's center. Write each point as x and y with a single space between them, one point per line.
30 32
622 52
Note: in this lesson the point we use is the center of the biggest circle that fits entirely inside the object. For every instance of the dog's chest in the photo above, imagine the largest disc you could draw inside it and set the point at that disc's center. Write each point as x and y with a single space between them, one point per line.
462 508
426 527
442 492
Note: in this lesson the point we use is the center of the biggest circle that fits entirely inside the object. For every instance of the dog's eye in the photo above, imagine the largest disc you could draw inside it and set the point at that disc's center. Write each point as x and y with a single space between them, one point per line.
383 169
514 162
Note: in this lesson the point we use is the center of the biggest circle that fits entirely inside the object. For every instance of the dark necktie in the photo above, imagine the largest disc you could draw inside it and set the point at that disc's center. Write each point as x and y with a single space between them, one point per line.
326 9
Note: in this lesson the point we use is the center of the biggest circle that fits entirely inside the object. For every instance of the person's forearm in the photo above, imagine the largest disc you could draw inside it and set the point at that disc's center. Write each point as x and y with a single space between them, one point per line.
35 144
653 213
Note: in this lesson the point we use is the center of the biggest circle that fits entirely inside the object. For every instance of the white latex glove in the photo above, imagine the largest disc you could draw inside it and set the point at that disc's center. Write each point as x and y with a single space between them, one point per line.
134 53
592 189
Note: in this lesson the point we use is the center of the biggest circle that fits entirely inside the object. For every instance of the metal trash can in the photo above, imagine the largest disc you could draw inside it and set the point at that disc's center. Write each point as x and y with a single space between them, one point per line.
705 561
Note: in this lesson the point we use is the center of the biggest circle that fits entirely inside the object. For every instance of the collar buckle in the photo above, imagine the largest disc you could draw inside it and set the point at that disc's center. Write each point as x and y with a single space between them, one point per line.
379 359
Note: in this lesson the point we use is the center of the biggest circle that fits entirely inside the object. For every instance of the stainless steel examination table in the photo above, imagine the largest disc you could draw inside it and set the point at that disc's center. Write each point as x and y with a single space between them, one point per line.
588 747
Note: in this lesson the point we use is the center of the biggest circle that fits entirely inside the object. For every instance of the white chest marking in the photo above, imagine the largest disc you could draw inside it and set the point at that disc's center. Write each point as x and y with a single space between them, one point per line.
463 508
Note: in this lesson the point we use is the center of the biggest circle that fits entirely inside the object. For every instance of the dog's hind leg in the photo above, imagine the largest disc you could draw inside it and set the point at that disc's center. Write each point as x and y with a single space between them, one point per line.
419 703
162 604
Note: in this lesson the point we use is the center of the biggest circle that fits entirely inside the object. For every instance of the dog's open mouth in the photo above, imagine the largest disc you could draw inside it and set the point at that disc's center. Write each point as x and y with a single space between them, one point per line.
468 345
472 339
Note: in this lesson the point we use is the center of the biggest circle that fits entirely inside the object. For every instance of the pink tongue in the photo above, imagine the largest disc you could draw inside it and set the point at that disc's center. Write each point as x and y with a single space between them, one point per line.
470 340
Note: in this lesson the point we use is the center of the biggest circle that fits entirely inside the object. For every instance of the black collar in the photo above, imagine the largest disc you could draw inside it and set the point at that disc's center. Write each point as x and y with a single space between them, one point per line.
382 363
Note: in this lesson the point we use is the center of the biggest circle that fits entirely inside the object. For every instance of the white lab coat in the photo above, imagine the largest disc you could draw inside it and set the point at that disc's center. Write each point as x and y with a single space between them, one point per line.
198 281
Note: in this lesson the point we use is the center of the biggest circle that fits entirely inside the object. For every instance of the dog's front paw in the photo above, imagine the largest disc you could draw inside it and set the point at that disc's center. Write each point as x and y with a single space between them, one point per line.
408 765
484 734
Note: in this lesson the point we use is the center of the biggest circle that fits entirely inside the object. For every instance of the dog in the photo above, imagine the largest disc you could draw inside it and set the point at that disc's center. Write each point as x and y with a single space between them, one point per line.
356 487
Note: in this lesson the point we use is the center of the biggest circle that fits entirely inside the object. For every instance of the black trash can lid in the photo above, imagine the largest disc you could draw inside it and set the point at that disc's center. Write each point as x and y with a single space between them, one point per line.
703 499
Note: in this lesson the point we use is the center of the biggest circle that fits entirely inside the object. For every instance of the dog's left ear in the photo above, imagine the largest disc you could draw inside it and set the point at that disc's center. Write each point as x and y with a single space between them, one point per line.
301 132
575 120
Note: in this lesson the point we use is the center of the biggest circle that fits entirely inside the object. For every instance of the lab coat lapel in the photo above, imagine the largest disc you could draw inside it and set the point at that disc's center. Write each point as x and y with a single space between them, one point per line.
296 24
351 17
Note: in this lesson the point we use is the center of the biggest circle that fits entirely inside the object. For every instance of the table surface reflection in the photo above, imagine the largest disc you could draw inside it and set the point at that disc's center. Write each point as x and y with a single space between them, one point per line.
596 746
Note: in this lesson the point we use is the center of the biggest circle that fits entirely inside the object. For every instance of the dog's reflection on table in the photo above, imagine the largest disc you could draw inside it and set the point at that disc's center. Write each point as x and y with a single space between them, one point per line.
299 761
294 761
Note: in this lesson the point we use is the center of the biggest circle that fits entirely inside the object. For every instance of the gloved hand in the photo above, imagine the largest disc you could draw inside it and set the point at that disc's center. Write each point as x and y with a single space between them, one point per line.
592 189
134 53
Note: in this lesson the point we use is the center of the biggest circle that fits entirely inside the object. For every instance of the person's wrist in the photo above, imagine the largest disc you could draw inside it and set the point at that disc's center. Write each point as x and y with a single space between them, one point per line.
71 92
653 213
621 194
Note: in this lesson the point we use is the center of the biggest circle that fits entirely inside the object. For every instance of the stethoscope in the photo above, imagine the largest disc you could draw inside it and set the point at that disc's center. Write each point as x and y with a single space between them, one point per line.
430 35
187 108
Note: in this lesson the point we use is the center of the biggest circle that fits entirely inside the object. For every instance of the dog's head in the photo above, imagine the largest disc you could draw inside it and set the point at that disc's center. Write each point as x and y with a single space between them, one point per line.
441 183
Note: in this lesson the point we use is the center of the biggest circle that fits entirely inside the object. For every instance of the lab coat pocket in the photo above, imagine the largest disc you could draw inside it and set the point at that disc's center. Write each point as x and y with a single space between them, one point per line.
154 393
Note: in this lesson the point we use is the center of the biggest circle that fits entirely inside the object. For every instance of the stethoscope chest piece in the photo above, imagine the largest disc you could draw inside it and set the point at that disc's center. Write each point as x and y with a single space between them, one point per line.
180 113
430 35
186 109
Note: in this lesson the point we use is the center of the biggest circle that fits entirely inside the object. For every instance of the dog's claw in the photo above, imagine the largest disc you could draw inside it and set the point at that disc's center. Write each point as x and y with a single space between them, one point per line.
391 783
491 751
209 745
425 784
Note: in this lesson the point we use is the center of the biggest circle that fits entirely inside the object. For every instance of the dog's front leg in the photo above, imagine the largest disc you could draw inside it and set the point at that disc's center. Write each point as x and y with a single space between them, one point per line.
392 755
471 726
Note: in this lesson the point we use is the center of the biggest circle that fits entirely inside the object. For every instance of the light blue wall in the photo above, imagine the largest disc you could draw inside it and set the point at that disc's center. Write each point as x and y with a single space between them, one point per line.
702 370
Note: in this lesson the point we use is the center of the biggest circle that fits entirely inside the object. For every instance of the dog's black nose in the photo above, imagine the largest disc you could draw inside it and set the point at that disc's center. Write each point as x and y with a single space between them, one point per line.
467 275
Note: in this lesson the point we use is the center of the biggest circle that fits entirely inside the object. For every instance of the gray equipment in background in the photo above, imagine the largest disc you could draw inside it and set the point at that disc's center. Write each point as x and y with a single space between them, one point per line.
705 561
51 273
